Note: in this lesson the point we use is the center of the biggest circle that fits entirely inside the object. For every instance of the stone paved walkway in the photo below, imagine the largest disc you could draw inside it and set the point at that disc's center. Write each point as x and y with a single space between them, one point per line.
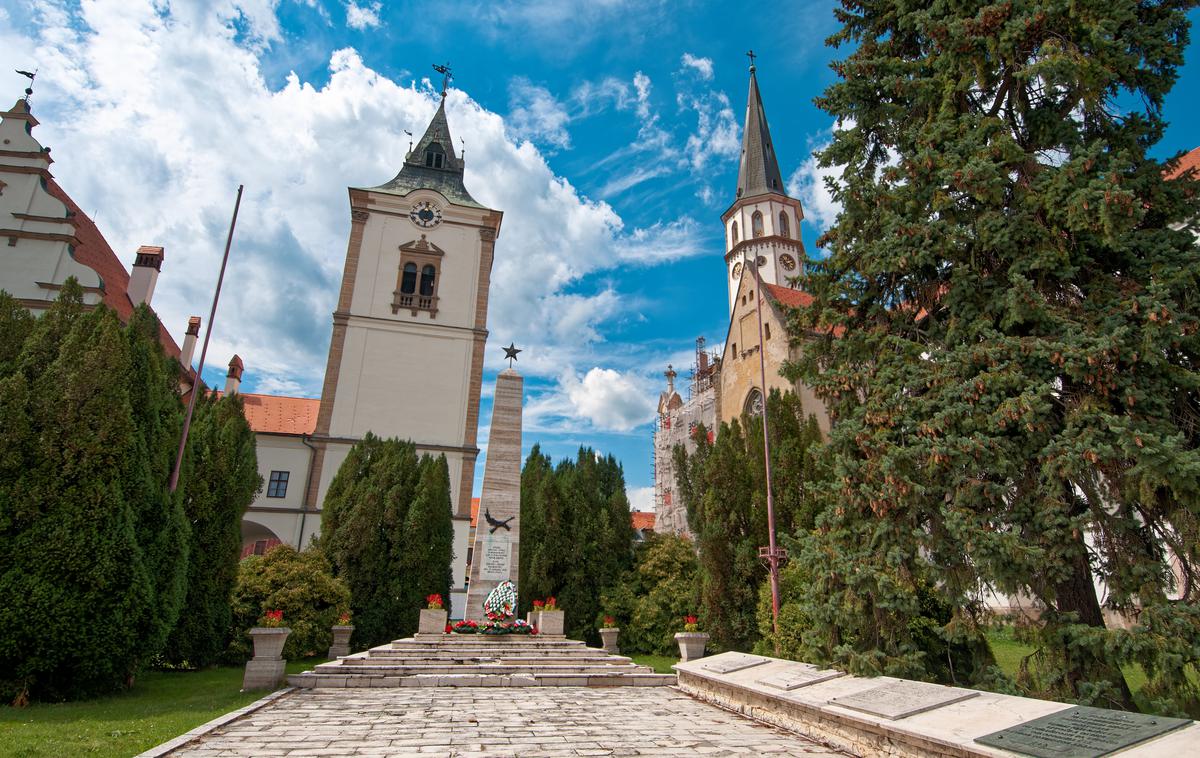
483 721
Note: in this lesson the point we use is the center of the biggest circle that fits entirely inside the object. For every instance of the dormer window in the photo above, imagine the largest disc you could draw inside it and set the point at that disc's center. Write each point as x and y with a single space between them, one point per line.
435 155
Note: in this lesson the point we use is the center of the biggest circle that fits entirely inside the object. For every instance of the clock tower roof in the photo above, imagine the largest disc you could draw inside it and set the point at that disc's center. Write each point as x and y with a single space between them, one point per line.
758 173
433 164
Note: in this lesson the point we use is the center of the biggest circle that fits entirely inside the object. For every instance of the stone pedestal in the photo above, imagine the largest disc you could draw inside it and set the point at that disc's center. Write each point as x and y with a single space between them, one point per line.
341 641
265 671
495 554
433 621
608 636
551 623
691 645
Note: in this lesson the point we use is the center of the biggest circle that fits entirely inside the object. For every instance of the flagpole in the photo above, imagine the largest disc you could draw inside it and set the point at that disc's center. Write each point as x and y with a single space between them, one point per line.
212 314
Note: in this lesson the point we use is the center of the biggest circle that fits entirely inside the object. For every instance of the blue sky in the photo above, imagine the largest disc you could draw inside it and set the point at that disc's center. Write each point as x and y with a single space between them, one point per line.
606 130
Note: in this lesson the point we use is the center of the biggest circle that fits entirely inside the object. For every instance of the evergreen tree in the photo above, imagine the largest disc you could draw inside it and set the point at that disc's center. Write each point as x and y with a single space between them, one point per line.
544 550
220 482
649 602
16 324
77 602
427 542
1006 334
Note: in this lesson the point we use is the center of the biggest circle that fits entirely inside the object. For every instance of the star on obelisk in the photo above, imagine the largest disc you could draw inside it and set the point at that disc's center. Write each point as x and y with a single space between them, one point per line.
510 353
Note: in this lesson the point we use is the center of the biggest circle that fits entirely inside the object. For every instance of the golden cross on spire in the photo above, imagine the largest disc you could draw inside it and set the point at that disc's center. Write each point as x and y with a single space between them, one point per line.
750 54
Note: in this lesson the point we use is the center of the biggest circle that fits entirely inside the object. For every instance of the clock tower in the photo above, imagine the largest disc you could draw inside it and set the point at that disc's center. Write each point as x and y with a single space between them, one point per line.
763 222
406 356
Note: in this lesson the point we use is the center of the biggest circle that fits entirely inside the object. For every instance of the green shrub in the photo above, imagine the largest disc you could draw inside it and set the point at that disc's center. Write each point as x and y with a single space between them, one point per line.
653 597
302 585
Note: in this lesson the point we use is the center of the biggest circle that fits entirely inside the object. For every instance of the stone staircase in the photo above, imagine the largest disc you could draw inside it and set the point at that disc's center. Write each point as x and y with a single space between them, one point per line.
476 660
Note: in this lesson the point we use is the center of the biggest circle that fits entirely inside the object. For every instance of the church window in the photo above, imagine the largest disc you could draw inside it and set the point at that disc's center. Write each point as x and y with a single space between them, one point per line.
428 275
767 331
733 234
784 227
435 155
756 224
754 403
735 350
277 486
408 282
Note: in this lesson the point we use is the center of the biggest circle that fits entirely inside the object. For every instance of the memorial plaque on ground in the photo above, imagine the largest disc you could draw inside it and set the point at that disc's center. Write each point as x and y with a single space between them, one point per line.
496 558
897 700
1081 732
736 662
797 676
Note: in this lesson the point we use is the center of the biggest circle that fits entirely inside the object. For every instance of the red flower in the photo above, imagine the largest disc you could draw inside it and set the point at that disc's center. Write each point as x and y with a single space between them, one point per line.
434 601
690 619
449 628
609 621
538 603
551 603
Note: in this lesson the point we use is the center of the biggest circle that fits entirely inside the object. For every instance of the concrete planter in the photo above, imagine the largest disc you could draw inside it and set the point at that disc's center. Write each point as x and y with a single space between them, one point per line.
550 622
691 645
265 671
433 621
341 641
609 636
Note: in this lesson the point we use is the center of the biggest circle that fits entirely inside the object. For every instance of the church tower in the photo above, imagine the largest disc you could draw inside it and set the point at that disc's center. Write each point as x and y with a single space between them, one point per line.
763 221
406 356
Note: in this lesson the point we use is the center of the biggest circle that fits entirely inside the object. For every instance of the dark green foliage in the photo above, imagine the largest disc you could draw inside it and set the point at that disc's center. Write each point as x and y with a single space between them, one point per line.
302 585
16 324
77 600
576 534
219 484
649 602
1013 285
723 486
365 531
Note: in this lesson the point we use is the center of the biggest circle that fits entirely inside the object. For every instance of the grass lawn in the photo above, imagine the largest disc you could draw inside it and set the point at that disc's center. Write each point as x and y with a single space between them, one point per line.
160 706
1009 653
660 663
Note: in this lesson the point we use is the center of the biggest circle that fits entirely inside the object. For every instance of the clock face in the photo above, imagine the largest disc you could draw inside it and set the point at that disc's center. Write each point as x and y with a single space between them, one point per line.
787 261
425 214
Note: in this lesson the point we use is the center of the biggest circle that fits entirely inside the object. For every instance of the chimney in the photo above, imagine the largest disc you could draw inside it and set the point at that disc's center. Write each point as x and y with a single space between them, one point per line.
144 275
189 342
233 380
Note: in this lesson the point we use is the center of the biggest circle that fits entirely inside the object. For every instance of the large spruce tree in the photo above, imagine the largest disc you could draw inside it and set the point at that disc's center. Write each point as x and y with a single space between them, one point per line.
1006 335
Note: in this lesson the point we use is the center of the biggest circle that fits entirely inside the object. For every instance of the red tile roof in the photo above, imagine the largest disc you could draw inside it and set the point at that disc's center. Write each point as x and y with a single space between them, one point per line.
788 296
1188 160
643 519
95 253
276 414
474 511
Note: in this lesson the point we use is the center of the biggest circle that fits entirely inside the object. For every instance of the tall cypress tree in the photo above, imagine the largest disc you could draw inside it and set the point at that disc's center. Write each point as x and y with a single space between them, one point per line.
16 324
1012 285
427 540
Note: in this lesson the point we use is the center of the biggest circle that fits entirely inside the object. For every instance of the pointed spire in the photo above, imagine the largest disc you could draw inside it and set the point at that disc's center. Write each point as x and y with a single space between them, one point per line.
758 173
433 164
436 140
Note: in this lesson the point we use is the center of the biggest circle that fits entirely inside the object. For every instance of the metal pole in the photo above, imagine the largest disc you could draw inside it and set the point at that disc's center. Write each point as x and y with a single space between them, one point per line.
773 556
212 314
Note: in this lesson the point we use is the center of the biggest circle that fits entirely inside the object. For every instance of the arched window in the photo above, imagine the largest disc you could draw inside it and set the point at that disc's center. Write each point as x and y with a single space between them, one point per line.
408 282
754 403
785 228
435 155
733 234
427 275
767 331
756 224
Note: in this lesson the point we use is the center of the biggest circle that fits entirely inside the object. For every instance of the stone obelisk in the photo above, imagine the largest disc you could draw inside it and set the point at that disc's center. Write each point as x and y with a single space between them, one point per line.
498 527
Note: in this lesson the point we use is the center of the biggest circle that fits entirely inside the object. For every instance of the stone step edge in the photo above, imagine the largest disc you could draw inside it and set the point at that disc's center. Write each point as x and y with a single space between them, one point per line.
310 680
334 670
490 658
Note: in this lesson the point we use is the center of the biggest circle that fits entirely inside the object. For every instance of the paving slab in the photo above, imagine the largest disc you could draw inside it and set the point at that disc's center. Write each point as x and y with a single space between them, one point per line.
478 721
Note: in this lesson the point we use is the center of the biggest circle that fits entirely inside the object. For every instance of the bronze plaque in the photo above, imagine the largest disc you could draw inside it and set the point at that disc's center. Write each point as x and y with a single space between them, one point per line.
1081 732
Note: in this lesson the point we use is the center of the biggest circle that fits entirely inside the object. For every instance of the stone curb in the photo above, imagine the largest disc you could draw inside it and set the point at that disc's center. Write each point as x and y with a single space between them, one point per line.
174 744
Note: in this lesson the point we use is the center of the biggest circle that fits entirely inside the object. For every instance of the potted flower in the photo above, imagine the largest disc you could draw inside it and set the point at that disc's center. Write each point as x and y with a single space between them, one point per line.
265 670
608 633
549 618
341 637
433 617
691 640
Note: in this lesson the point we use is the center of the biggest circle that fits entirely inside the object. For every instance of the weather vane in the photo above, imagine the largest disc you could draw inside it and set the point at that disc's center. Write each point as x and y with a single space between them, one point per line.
31 75
409 140
751 56
446 75
510 353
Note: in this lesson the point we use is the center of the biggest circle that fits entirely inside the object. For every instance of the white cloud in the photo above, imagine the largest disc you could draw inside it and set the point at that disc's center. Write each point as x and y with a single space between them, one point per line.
808 184
174 101
640 498
536 114
702 66
365 16
602 399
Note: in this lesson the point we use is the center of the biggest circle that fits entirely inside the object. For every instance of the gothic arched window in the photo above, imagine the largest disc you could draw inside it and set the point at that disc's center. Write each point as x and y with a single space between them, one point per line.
435 155
733 234
427 276
408 282
754 403
785 229
756 224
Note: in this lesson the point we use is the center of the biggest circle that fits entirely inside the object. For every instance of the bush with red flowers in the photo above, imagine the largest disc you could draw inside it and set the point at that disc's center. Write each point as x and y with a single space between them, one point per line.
433 602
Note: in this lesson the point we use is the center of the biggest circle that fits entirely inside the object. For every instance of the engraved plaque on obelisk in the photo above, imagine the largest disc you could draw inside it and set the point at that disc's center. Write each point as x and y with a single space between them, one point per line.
498 531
